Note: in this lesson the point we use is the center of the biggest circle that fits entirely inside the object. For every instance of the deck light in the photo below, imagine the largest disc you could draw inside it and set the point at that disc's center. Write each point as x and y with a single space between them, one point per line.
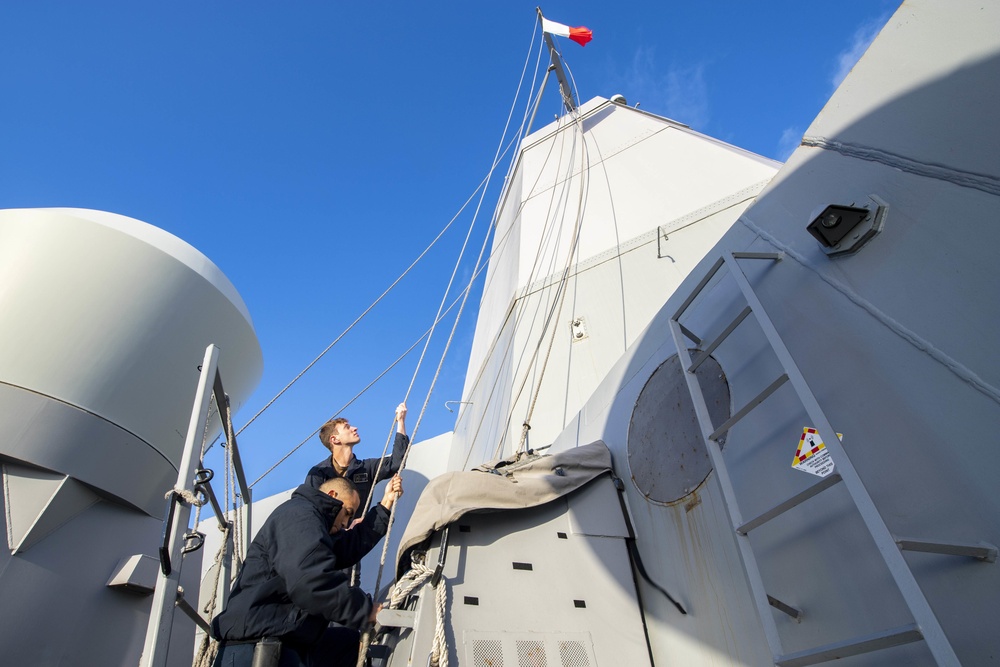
842 229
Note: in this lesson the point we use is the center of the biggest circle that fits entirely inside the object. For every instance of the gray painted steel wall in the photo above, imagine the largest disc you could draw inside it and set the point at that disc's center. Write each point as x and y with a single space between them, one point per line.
897 343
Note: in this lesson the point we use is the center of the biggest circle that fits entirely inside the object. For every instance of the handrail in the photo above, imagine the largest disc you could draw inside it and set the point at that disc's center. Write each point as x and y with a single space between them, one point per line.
193 488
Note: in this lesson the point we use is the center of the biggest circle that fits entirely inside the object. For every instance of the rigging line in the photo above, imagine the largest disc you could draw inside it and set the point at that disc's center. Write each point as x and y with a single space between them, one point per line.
498 156
377 378
524 122
534 356
563 288
520 305
501 244
312 363
522 312
362 653
547 234
618 243
356 396
475 217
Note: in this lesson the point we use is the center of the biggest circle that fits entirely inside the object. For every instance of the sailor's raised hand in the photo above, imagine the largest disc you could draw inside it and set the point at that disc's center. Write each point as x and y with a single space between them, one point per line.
401 418
393 490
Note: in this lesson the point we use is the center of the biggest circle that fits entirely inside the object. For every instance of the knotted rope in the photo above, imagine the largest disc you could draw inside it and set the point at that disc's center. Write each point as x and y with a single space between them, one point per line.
412 580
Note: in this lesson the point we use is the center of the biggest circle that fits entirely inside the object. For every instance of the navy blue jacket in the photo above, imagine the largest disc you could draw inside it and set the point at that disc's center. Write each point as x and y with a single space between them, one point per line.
290 585
361 471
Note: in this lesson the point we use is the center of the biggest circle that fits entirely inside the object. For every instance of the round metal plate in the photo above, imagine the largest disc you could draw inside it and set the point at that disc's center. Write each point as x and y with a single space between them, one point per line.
666 454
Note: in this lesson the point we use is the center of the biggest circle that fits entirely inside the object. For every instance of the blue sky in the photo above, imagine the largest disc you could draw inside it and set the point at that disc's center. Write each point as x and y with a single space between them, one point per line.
313 149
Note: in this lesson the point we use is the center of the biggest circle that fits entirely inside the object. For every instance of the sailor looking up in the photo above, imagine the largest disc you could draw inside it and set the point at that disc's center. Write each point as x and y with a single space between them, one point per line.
340 437
291 588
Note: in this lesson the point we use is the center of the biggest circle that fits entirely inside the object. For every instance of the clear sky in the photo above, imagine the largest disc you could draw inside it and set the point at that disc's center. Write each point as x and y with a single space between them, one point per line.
312 149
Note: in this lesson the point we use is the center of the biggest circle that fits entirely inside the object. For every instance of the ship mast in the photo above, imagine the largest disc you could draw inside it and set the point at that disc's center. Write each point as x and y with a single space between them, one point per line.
564 87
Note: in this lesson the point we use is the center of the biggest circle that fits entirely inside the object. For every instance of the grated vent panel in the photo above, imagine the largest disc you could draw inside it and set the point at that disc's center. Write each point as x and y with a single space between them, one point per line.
531 654
487 653
573 654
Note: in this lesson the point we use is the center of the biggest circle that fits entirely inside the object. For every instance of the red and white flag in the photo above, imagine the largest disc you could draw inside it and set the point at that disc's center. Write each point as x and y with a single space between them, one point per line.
579 35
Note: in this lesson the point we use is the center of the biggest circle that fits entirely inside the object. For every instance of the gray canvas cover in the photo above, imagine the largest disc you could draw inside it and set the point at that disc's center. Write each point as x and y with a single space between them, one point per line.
521 481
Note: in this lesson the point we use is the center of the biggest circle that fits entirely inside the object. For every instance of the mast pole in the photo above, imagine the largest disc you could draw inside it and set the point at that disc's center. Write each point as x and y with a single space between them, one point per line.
564 88
538 100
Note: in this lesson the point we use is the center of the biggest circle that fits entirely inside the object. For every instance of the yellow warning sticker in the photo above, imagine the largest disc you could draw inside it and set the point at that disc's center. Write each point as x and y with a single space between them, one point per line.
812 456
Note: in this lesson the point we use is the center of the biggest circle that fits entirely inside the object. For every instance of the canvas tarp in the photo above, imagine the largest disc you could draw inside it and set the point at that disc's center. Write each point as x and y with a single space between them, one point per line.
515 483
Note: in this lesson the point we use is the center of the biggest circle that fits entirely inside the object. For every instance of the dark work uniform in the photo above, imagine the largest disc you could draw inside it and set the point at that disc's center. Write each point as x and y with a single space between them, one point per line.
291 586
361 471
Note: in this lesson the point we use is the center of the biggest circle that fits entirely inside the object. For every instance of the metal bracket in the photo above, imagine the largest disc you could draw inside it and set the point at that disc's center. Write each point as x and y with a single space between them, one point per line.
193 541
168 524
436 577
981 550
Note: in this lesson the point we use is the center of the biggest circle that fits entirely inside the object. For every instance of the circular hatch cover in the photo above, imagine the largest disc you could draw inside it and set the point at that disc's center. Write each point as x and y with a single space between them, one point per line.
666 454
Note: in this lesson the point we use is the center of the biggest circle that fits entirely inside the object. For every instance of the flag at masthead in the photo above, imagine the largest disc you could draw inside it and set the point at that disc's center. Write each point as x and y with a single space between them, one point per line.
580 35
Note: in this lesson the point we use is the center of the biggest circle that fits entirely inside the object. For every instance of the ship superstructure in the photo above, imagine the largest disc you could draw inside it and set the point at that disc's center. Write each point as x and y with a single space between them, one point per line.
730 412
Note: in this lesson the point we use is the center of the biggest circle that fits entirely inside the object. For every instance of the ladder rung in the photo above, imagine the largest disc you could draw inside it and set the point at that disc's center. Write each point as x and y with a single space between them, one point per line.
721 338
794 501
784 608
396 618
759 255
866 644
191 612
771 388
690 334
982 550
699 287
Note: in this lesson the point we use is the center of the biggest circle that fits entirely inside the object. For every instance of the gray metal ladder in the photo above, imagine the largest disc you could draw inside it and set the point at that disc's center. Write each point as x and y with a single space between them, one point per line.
168 593
925 625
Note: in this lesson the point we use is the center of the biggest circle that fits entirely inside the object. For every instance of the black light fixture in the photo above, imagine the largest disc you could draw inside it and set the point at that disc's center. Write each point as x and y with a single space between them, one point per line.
842 229
835 222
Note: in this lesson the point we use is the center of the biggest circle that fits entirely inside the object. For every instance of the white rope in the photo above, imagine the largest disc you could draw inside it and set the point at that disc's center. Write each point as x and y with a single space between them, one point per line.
412 580
374 303
439 649
563 283
409 582
519 308
358 395
366 637
208 648
536 270
556 307
239 555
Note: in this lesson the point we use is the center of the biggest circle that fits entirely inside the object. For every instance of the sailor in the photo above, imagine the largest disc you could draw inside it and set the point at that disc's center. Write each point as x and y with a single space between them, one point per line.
340 437
291 588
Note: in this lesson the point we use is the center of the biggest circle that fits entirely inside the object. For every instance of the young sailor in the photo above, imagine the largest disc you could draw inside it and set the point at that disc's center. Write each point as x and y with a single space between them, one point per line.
340 437
291 586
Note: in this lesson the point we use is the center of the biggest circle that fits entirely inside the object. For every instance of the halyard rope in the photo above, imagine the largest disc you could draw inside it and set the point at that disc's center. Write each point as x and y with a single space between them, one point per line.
440 646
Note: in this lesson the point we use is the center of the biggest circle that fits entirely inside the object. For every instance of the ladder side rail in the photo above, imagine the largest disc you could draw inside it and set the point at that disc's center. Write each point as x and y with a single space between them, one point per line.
759 594
929 626
222 403
154 651
698 288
